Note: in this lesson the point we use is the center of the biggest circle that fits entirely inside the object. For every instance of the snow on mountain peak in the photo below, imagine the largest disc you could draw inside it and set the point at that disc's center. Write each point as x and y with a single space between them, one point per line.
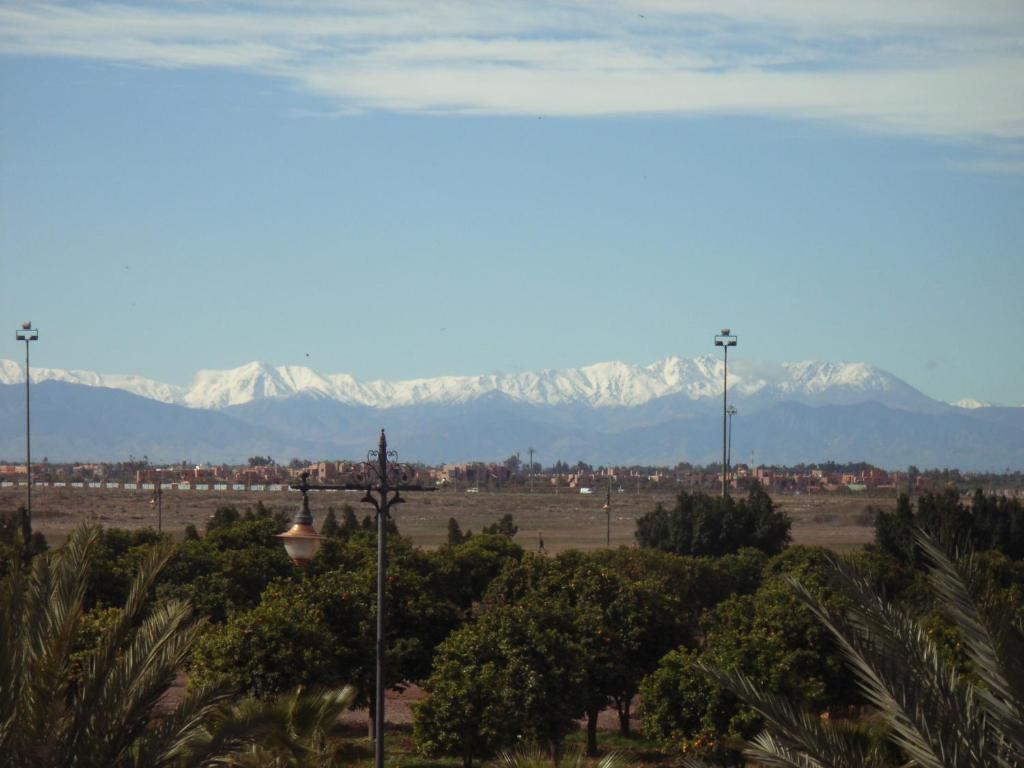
607 384
970 403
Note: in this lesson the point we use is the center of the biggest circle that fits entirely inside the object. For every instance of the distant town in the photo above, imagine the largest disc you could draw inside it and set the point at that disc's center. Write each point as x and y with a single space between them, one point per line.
264 474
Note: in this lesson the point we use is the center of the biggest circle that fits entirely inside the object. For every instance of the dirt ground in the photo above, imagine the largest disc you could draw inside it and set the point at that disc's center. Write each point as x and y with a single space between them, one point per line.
563 520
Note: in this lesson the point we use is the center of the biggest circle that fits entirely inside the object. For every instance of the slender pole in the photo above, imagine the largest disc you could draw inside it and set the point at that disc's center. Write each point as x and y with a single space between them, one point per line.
725 398
728 459
28 439
608 514
159 493
382 514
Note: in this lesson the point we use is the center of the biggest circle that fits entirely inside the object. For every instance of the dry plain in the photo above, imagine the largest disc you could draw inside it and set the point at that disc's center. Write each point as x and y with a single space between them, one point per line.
564 520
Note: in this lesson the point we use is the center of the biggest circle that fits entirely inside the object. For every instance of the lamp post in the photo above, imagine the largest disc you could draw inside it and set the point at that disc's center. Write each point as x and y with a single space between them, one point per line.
725 340
608 514
731 411
383 480
158 499
27 334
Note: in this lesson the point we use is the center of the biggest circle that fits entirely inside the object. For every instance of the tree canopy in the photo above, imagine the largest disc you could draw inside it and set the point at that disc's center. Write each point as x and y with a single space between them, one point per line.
700 524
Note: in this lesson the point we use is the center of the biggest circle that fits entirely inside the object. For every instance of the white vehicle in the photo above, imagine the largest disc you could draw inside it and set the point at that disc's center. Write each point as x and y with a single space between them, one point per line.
586 490
472 490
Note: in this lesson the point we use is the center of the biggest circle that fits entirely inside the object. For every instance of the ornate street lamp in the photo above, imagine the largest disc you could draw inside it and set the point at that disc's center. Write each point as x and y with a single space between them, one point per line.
301 541
383 480
27 333
725 340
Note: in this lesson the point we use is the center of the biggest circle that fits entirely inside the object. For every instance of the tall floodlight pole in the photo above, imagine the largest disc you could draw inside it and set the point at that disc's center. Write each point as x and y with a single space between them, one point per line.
531 468
27 334
725 340
731 410
383 480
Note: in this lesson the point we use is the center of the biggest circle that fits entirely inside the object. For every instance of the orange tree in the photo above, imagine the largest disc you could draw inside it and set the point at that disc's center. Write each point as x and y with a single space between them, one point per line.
322 627
515 671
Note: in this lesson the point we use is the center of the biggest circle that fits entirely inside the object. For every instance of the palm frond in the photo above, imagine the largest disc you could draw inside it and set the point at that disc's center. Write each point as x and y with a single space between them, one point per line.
46 610
938 717
933 714
85 734
768 750
794 733
229 727
139 677
994 655
532 756
168 741
290 730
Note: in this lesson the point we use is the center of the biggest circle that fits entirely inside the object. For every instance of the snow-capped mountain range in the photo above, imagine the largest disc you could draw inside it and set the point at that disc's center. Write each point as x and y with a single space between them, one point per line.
661 413
603 385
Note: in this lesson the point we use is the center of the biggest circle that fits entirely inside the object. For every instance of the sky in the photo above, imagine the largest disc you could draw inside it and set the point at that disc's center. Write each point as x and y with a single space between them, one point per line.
407 189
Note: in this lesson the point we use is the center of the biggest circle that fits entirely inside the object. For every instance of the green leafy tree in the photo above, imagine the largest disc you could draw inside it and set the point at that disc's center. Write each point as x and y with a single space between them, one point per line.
989 522
455 534
261 511
465 571
266 649
935 716
229 568
81 692
696 583
17 540
624 627
769 635
223 515
515 671
282 642
688 711
504 526
349 522
998 522
118 553
700 524
894 531
471 711
624 622
330 528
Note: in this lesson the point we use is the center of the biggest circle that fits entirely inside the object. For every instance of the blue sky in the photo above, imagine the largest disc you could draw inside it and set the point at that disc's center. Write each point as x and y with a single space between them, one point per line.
397 190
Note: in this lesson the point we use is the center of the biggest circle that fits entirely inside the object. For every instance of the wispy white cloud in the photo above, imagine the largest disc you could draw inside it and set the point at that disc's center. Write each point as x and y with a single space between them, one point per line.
947 69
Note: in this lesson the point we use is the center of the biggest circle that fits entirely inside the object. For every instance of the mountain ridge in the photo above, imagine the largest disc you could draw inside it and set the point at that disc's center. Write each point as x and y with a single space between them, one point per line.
74 422
601 385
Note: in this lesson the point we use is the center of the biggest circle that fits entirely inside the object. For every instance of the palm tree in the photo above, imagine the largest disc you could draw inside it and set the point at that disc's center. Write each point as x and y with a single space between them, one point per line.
104 714
302 737
936 716
532 756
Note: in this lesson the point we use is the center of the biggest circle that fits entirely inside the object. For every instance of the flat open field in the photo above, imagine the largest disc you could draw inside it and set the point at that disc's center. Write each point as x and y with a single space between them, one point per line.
565 520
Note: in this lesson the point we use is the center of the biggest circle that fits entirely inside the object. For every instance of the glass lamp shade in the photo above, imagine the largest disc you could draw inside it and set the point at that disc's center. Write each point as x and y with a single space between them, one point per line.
301 542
